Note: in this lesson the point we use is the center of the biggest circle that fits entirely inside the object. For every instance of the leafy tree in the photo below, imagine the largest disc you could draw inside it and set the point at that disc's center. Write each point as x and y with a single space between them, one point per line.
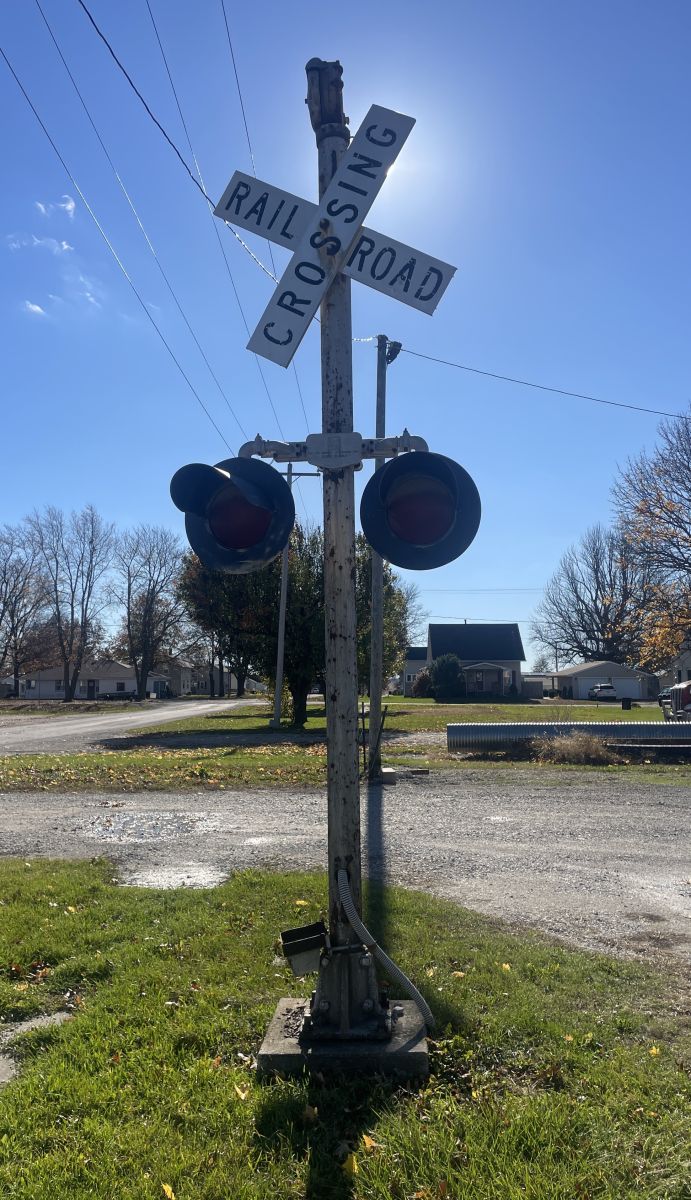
592 605
402 615
422 684
239 612
74 552
146 568
446 677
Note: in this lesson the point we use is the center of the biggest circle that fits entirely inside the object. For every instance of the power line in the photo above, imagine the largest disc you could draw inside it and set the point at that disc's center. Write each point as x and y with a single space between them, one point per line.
211 216
254 172
542 387
169 139
103 234
140 223
483 591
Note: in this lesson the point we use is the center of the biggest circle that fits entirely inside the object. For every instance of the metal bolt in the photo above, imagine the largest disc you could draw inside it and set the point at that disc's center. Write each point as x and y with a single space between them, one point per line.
368 1004
324 1006
366 961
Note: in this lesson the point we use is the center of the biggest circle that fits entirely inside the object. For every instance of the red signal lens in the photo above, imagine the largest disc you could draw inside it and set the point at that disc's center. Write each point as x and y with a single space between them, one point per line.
235 522
420 510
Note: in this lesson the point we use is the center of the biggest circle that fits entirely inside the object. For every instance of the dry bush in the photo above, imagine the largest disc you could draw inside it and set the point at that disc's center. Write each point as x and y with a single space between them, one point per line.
575 747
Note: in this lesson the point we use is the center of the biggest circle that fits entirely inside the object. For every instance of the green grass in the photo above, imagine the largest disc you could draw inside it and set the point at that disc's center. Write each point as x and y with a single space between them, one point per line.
555 1075
414 716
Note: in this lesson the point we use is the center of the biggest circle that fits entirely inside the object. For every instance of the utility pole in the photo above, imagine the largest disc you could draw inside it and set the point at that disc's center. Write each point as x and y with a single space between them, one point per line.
386 352
338 982
275 722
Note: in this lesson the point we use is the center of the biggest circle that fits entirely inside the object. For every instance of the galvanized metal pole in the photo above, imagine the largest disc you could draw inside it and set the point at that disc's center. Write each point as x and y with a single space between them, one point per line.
275 722
377 616
325 103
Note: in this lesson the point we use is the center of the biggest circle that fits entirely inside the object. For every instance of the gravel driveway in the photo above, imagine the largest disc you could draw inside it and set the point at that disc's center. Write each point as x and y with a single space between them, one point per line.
53 735
598 861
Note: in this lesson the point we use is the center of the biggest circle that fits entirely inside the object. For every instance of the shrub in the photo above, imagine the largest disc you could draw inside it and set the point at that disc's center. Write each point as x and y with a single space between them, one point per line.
575 747
446 675
422 685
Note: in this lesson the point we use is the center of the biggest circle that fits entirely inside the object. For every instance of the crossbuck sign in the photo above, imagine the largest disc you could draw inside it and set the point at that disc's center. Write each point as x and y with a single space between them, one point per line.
329 237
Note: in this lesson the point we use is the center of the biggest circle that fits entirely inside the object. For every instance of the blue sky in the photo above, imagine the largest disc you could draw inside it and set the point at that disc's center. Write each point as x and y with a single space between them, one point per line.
549 162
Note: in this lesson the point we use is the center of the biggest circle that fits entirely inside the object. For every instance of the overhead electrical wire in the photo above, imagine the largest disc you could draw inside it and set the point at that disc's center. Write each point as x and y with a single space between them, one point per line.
211 216
254 172
141 225
111 248
542 387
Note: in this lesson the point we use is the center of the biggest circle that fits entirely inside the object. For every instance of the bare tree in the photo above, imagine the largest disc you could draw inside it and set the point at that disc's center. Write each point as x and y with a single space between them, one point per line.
592 605
147 565
23 604
74 551
652 496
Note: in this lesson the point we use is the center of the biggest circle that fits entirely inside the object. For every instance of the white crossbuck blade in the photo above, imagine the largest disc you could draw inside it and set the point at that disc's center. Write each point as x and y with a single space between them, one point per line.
391 267
329 237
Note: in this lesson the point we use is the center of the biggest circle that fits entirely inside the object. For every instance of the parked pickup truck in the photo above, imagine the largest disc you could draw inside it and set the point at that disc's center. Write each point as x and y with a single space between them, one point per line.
678 708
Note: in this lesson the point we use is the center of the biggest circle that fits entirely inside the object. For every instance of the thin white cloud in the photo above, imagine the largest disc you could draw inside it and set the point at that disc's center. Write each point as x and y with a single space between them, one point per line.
34 309
67 205
16 241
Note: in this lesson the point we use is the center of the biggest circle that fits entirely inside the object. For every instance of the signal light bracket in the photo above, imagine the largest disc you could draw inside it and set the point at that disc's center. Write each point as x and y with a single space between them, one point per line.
333 451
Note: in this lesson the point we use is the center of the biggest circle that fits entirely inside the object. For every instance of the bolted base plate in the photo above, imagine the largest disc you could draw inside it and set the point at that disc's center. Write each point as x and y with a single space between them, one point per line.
287 1051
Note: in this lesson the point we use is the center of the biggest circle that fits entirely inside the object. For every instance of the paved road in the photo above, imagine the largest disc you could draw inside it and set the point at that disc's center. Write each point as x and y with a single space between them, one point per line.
601 862
50 735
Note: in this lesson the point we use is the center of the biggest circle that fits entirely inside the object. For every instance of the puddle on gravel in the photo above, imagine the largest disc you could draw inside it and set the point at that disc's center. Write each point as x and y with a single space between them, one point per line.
149 826
191 874
9 1068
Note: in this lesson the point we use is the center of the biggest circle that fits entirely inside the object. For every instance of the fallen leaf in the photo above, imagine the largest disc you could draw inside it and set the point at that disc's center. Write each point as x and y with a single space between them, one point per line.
243 1093
506 966
350 1165
458 974
370 1144
302 903
654 1051
568 1037
216 1062
21 987
70 908
431 971
443 1188
168 1191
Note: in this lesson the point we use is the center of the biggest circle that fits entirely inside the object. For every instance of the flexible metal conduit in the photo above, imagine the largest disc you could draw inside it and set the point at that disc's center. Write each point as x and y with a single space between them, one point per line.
485 736
367 940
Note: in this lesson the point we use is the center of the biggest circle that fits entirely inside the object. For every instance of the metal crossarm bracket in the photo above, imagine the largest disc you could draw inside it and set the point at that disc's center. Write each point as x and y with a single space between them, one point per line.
332 451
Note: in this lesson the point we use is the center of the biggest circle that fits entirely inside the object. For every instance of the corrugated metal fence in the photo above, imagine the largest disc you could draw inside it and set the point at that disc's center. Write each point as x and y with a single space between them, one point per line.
486 735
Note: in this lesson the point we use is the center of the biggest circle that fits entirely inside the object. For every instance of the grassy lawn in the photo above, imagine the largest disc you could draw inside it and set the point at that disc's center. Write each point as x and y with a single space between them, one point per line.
283 764
410 716
555 1075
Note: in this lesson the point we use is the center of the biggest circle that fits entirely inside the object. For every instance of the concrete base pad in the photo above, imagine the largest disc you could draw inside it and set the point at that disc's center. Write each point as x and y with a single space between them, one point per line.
388 775
285 1051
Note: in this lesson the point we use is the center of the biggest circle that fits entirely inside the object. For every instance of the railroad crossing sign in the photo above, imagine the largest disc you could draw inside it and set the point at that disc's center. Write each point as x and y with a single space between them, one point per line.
329 237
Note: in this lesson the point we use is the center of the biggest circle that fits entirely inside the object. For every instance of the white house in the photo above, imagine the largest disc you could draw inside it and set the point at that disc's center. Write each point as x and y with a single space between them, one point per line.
575 682
681 667
415 662
108 677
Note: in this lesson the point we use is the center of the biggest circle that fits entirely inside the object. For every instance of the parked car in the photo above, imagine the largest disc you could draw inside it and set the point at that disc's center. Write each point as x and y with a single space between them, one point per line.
602 691
665 696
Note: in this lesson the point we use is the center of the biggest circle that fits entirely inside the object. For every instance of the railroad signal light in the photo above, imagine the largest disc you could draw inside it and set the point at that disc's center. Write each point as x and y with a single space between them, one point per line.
420 510
238 514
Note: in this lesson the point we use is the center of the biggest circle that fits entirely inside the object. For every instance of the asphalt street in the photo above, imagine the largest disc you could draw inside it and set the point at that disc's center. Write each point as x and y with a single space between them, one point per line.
597 860
50 735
